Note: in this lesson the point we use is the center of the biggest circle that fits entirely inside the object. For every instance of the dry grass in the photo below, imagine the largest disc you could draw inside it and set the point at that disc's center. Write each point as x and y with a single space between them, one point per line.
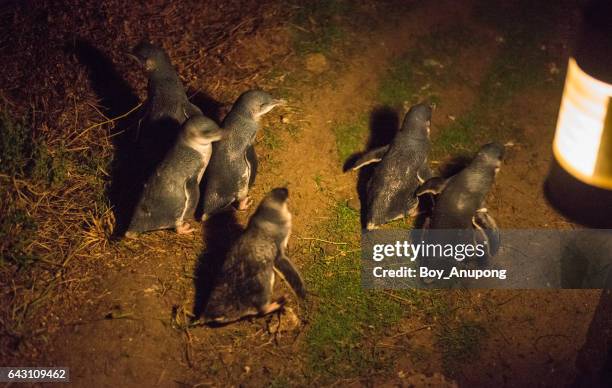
62 62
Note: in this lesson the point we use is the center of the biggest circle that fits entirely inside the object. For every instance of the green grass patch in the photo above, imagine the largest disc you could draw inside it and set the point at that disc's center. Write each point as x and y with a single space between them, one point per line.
399 84
460 344
347 315
319 25
15 146
17 231
459 135
520 65
522 59
350 137
271 138
423 72
22 154
48 167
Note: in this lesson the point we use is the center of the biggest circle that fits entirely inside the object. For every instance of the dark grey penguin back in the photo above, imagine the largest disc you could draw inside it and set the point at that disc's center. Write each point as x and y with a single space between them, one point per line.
465 192
166 93
241 128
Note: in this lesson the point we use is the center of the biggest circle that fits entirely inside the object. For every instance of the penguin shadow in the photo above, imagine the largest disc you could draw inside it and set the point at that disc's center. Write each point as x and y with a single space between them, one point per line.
453 166
594 358
137 150
116 98
383 126
221 230
210 107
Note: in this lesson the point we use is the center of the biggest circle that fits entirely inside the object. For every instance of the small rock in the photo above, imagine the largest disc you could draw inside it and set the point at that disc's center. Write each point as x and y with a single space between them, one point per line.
151 289
432 63
284 119
316 63
552 68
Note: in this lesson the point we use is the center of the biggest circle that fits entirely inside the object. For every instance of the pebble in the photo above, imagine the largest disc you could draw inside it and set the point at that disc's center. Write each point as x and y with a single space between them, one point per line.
316 63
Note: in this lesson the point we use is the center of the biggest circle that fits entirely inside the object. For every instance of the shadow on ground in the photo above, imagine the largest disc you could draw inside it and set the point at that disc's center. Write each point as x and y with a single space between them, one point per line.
210 107
383 125
138 149
116 99
221 231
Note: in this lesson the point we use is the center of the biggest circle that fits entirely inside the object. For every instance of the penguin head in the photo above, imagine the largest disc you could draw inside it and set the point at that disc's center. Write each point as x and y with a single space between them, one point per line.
200 131
279 195
256 103
490 156
151 57
417 121
272 214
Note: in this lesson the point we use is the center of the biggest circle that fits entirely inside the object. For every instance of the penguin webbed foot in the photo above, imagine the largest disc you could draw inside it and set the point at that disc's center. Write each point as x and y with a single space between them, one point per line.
372 226
272 307
130 234
184 228
244 203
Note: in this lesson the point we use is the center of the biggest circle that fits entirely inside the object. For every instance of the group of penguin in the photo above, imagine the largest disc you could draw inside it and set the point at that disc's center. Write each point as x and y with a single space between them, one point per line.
171 193
212 168
402 176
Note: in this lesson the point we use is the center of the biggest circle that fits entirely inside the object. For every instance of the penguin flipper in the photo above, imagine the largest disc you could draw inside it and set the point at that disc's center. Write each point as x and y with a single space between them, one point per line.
290 274
372 156
424 173
486 230
192 110
432 186
251 157
192 191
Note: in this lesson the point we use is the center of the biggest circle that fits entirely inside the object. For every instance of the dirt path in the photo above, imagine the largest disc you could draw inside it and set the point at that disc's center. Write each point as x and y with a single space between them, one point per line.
130 329
349 94
125 336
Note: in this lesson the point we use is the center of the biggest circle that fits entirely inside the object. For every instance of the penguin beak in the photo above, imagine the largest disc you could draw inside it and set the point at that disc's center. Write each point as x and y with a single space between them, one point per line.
278 102
269 106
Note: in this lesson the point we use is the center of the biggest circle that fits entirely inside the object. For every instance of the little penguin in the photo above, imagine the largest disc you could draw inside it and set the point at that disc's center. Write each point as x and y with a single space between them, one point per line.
401 168
233 165
166 97
245 283
460 199
171 193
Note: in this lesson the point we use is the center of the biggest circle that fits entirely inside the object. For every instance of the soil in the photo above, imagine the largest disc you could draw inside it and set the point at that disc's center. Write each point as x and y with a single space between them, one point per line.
125 327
